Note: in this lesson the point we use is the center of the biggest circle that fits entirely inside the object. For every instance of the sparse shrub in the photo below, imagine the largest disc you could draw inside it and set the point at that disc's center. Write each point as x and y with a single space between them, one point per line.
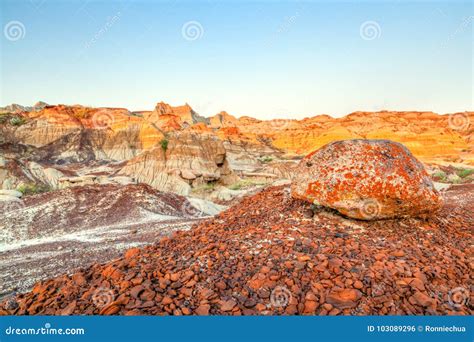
33 189
266 159
244 184
210 186
236 186
4 117
440 175
81 112
463 173
17 121
164 144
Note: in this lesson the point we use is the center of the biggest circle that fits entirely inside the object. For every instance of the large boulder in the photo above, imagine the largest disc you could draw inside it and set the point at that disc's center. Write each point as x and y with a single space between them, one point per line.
366 179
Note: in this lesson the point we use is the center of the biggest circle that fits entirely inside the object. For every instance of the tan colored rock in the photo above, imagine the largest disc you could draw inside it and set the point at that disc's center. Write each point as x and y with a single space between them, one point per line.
201 155
187 174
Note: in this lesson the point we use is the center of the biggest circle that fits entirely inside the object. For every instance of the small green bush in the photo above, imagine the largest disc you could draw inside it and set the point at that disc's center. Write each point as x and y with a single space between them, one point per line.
17 121
3 118
440 175
463 173
266 159
210 186
236 186
244 184
164 144
33 189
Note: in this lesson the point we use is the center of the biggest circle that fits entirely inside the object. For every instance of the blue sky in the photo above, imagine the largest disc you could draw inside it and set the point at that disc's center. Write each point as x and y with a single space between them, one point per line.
260 58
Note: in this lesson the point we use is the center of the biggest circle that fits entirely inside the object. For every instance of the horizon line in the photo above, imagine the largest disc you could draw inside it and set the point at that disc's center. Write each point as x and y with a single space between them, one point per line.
247 115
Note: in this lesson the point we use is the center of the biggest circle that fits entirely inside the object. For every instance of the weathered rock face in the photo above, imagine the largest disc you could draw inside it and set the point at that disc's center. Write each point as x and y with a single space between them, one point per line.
15 172
166 116
429 136
59 139
68 134
366 179
190 160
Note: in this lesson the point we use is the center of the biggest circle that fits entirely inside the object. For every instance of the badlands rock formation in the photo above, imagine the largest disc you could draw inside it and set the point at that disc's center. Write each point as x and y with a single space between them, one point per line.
191 159
429 136
366 179
268 254
57 146
154 147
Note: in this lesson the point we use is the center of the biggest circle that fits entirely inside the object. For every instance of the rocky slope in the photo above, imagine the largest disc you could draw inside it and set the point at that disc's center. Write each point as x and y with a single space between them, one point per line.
47 234
271 254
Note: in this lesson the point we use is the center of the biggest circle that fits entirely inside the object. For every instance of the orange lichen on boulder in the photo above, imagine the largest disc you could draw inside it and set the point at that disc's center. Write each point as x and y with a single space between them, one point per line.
366 179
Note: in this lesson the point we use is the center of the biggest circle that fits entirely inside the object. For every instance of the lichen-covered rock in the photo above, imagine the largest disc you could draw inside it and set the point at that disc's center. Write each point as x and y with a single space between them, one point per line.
366 179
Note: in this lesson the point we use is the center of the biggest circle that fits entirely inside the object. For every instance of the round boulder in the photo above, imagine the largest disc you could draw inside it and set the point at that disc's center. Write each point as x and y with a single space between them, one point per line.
366 179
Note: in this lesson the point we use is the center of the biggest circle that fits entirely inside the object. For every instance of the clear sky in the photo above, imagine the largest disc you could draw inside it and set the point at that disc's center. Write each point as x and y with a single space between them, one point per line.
260 58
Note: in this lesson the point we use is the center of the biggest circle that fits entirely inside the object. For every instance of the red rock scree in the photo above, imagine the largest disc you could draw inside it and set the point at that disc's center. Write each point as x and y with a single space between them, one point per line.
267 255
